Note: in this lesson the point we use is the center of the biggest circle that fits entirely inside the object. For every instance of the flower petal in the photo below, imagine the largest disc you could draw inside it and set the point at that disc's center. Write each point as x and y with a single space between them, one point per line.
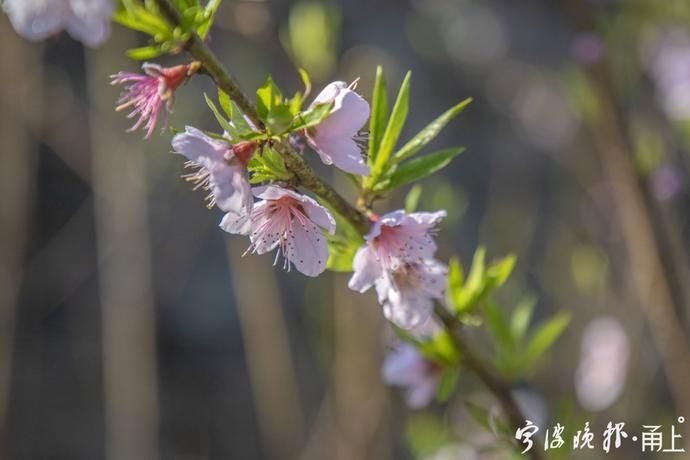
36 19
367 269
237 223
403 366
90 21
230 187
406 311
343 152
422 394
428 219
200 148
347 117
318 214
329 93
273 192
307 249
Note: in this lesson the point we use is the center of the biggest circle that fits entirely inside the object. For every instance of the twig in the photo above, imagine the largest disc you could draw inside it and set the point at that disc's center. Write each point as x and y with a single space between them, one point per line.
293 160
494 383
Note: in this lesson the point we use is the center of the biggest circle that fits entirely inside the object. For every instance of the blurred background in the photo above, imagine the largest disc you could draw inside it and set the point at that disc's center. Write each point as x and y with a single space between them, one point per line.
132 328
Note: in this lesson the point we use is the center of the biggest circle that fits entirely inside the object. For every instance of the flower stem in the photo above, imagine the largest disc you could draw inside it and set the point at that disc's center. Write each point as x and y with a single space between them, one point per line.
293 160
497 386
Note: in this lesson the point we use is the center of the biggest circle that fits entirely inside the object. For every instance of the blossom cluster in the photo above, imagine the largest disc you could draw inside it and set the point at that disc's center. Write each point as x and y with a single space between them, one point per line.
397 256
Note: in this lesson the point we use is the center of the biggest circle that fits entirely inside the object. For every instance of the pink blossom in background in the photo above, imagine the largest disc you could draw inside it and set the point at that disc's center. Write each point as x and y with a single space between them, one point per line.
334 138
588 48
602 372
85 20
146 93
408 293
667 58
666 182
405 367
220 170
288 221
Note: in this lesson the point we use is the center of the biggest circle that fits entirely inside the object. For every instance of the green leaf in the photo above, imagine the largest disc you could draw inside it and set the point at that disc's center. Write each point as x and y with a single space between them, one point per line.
344 244
341 252
426 135
267 97
497 325
307 82
455 276
225 103
419 168
394 127
379 114
311 117
499 271
447 383
412 198
230 129
144 53
521 318
209 15
547 333
268 165
466 298
480 415
146 20
278 119
441 348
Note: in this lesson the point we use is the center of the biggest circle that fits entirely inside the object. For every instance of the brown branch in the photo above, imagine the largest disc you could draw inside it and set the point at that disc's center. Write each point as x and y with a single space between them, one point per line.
293 160
497 386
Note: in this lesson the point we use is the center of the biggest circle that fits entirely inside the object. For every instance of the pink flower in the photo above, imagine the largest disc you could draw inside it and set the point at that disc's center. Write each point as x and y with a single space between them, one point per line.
405 367
147 92
85 20
334 138
407 294
221 168
395 239
288 221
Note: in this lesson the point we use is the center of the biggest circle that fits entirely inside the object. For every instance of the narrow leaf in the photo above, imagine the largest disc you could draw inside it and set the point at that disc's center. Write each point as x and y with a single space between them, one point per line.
307 82
521 318
419 168
426 135
379 114
394 127
544 337
144 53
311 117
230 129
412 198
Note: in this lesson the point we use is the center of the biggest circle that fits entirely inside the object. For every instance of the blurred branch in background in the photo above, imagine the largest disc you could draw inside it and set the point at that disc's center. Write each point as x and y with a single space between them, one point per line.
17 176
643 247
360 400
267 350
129 329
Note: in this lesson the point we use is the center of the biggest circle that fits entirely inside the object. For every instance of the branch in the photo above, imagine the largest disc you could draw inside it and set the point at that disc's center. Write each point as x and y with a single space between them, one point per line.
494 383
293 160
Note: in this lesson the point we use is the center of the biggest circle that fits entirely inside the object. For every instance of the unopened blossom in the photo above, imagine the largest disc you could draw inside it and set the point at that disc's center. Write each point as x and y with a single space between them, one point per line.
334 139
405 367
289 222
220 168
395 239
85 20
146 93
407 294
